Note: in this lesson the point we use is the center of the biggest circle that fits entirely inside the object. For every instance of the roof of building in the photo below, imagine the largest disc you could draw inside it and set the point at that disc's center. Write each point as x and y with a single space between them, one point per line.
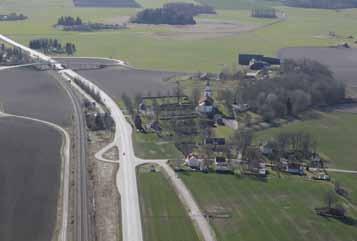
206 100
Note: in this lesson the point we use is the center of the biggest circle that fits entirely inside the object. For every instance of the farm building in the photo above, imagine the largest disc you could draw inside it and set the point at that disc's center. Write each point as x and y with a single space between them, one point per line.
316 161
266 149
257 167
222 165
215 141
258 64
244 59
193 161
291 167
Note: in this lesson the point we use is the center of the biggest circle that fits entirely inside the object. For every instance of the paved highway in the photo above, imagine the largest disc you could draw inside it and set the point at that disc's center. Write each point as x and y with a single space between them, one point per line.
341 171
126 176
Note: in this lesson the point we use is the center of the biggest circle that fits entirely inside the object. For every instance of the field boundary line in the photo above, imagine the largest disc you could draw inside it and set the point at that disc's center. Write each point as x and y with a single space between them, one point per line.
65 156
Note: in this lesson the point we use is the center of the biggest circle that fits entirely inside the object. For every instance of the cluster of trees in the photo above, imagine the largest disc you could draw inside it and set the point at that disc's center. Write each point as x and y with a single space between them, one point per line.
301 145
88 27
242 140
128 104
88 89
12 17
333 208
300 85
52 46
12 56
172 13
162 16
264 13
327 4
99 121
69 21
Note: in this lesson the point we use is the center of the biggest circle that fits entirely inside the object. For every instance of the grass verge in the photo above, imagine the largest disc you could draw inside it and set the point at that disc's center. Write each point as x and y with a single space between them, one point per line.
164 217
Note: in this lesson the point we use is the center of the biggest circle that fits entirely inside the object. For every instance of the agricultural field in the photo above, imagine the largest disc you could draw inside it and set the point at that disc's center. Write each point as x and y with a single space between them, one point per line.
35 94
106 3
149 146
342 61
29 179
239 4
163 215
158 3
278 209
348 181
118 81
157 47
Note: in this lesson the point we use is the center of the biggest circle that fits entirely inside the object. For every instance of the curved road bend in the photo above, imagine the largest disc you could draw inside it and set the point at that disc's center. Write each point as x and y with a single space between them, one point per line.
66 170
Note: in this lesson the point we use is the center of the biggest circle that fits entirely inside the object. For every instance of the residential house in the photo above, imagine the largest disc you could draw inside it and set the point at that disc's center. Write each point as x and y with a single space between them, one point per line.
291 167
193 161
222 165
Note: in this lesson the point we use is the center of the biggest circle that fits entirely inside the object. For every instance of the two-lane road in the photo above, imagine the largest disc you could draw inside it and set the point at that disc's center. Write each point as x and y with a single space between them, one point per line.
126 176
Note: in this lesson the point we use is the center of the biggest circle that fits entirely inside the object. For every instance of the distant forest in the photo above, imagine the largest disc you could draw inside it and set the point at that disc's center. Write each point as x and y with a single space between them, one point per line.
172 13
68 23
328 4
12 17
264 13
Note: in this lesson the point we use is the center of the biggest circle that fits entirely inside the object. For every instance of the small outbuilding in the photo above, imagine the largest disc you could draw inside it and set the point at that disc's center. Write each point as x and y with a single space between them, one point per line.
193 161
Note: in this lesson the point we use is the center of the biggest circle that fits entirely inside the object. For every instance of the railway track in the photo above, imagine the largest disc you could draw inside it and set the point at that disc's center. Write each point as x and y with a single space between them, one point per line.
83 210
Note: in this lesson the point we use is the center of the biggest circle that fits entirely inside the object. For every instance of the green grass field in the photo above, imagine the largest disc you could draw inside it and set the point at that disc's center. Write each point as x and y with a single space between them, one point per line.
239 4
148 146
163 216
348 181
335 134
279 209
140 47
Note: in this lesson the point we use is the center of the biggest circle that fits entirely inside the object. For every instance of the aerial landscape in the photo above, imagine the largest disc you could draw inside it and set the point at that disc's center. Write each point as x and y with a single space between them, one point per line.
178 120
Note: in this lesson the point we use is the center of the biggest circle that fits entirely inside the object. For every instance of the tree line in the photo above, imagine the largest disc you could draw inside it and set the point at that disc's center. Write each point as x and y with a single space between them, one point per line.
52 46
264 13
69 21
12 17
11 56
328 4
172 13
298 86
